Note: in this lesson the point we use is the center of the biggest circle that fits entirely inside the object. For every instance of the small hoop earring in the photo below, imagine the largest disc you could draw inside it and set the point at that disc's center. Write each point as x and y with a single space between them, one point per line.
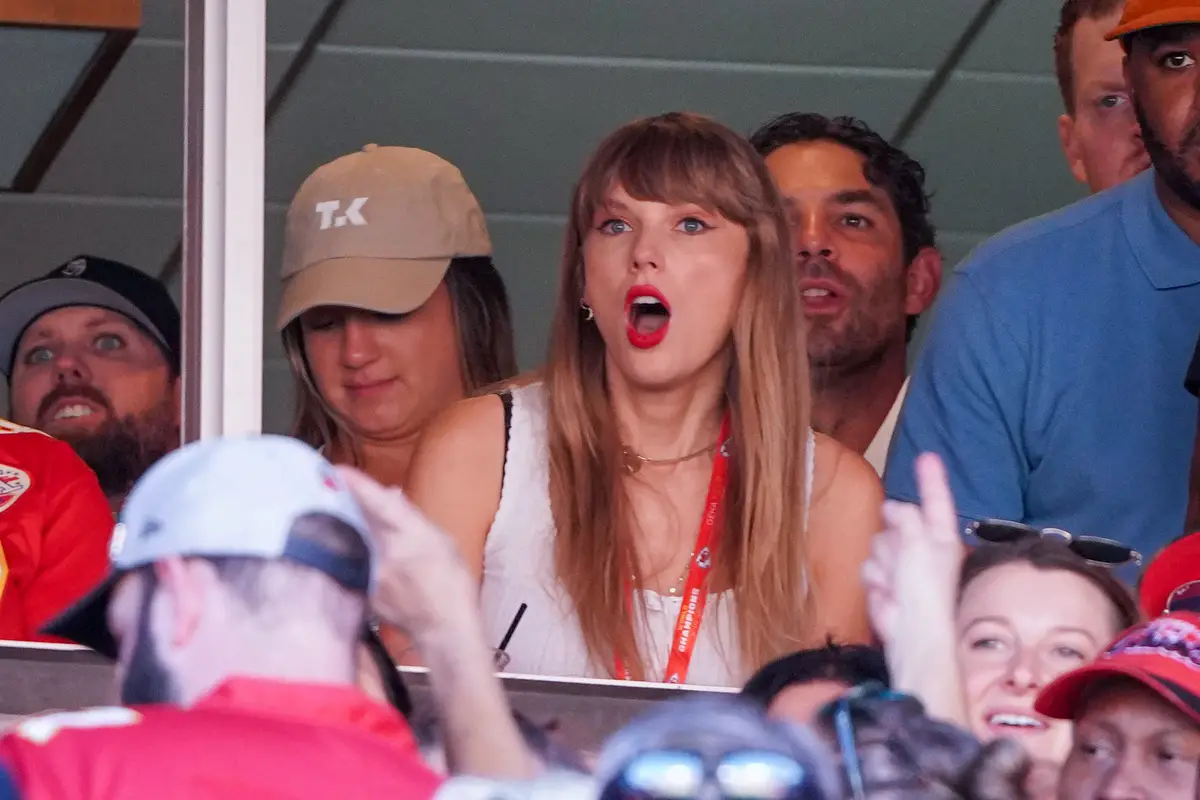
591 315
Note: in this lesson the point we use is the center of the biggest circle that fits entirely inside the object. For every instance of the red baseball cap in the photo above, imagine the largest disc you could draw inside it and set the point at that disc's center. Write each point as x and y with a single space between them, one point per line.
1175 566
1142 14
1163 655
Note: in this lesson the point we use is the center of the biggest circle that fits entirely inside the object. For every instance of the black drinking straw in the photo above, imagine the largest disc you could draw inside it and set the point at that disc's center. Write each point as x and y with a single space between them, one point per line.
512 628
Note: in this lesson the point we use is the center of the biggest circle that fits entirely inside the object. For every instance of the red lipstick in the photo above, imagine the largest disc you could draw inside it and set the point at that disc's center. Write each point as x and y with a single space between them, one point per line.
647 316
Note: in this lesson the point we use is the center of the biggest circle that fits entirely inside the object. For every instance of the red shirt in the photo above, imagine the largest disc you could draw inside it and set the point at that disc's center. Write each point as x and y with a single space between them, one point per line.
249 739
55 528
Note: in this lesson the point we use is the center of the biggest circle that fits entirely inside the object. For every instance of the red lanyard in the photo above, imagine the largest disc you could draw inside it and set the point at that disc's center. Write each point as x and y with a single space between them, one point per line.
695 593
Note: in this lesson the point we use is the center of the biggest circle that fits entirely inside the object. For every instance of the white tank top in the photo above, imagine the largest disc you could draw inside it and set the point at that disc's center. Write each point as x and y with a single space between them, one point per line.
518 567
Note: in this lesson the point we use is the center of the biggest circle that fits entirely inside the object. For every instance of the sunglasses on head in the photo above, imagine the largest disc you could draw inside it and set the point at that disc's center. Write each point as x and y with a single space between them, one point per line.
741 774
1093 549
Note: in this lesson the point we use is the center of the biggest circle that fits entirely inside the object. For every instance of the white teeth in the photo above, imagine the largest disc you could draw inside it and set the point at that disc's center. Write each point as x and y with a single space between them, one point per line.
646 300
816 292
1015 721
73 412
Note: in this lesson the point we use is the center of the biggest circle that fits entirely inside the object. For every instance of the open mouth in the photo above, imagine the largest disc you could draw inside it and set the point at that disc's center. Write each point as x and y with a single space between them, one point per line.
72 410
647 316
820 296
1011 723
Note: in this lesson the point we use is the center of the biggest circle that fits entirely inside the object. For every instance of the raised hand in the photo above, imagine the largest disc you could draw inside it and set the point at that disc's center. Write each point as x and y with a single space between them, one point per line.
420 571
912 574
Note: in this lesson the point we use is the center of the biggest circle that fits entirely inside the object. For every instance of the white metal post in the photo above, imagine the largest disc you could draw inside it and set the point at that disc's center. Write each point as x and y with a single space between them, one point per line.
224 142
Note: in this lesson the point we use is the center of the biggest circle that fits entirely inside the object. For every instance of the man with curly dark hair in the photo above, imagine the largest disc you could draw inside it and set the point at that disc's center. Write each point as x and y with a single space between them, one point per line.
867 264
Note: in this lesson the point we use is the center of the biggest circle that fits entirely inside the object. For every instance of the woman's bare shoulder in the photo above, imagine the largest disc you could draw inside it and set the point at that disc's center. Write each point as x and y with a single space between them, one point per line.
845 515
466 425
842 476
456 472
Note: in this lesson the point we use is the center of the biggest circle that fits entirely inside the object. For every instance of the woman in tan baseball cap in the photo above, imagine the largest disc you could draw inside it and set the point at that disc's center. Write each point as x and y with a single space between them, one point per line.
392 308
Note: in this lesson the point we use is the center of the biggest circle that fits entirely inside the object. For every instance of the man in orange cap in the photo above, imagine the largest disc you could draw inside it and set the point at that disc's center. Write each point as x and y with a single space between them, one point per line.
1162 42
1023 383
1162 45
1136 711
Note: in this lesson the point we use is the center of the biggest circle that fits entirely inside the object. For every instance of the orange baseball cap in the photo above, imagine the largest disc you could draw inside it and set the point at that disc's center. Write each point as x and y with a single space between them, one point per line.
1142 14
1176 567
1163 655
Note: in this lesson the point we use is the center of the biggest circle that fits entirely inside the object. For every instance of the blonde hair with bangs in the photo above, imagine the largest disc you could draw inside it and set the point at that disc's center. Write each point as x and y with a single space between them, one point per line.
685 158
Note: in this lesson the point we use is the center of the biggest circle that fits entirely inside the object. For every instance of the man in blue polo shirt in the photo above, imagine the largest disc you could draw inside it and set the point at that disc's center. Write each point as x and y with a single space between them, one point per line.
1050 382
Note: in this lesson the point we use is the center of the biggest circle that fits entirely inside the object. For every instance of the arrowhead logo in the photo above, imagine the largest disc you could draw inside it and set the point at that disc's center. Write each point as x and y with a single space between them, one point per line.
75 268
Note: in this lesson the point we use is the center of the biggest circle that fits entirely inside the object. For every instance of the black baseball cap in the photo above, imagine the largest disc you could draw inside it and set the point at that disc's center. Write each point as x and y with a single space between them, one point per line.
91 281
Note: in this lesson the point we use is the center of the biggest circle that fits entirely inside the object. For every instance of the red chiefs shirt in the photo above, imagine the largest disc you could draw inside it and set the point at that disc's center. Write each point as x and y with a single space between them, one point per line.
248 739
55 527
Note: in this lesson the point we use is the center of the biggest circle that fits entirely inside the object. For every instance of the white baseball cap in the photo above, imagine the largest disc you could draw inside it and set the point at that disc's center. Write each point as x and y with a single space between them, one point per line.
223 497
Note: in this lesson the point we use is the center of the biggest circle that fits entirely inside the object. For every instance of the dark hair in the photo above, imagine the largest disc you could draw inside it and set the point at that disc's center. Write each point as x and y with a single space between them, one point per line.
243 575
852 665
887 166
903 753
482 321
1064 42
483 318
1049 555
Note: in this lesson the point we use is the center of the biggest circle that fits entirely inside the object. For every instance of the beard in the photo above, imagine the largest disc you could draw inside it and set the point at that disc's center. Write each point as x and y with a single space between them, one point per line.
123 448
1171 165
146 679
860 338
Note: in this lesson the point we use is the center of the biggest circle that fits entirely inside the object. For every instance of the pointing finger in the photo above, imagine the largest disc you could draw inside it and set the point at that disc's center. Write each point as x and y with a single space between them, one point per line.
937 501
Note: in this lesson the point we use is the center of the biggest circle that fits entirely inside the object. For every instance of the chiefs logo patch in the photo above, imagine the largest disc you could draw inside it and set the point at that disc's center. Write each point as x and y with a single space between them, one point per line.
13 483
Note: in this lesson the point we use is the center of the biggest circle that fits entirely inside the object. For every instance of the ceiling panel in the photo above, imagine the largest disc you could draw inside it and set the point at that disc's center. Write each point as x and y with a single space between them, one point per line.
521 131
1018 38
863 33
130 141
526 253
39 233
288 21
990 146
61 56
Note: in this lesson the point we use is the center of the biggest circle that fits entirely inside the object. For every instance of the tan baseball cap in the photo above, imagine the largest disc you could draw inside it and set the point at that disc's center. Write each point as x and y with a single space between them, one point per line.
376 230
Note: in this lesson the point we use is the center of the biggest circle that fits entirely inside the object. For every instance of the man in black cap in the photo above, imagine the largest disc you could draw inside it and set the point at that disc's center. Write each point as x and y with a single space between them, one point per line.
91 351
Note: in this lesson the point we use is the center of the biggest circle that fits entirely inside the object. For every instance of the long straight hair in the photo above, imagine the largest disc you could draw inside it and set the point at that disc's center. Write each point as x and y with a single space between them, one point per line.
487 353
684 158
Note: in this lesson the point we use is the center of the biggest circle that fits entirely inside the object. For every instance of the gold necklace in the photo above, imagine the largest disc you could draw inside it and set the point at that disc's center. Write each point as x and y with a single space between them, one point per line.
682 577
633 460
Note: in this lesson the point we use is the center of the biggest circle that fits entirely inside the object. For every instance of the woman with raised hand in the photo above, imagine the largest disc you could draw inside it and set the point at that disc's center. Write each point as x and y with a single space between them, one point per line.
657 499
978 634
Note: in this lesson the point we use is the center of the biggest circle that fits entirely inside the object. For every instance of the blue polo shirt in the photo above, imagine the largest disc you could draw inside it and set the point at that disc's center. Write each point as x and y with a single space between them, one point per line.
1051 382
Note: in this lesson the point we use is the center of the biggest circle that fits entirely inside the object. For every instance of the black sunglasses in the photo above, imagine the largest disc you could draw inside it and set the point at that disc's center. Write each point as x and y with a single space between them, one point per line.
1093 549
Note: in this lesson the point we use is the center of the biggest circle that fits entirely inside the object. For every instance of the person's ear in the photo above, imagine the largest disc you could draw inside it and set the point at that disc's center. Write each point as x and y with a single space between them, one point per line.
1071 148
923 279
184 587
